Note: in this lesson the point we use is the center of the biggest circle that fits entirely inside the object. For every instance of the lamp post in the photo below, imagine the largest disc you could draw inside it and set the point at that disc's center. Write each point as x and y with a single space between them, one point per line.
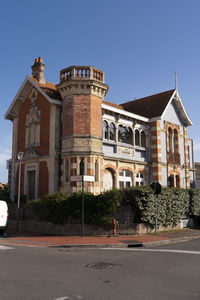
82 174
19 157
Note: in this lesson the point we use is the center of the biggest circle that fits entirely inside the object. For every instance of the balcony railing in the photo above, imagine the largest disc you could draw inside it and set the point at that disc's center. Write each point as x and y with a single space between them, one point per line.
173 158
82 72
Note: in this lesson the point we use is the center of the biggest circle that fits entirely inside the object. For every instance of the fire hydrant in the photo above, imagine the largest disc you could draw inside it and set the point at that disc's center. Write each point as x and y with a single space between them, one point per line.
114 224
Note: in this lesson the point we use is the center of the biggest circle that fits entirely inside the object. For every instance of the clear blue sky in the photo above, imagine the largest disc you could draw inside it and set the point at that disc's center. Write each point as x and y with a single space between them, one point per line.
138 43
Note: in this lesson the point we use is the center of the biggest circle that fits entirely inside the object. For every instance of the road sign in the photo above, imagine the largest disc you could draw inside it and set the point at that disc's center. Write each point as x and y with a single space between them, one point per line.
86 178
156 186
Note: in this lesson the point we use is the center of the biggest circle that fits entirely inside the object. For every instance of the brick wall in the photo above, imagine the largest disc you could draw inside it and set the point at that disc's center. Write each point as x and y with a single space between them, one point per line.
82 115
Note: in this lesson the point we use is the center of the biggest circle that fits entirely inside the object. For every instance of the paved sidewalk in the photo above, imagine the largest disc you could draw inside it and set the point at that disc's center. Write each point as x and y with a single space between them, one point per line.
28 239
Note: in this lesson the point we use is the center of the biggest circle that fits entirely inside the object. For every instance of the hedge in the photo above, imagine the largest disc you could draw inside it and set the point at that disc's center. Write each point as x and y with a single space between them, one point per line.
169 206
57 208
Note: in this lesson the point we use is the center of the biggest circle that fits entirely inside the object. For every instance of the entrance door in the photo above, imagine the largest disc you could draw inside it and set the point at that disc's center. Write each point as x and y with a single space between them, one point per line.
107 180
31 185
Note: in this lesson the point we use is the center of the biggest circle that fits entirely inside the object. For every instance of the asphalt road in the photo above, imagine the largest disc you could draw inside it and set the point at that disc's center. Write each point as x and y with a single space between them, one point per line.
165 272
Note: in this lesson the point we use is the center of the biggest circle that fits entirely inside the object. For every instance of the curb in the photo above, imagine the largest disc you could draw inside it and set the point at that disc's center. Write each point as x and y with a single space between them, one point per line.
89 246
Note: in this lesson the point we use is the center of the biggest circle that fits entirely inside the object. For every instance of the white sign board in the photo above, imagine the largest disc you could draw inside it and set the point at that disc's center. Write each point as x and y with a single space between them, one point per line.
88 178
85 178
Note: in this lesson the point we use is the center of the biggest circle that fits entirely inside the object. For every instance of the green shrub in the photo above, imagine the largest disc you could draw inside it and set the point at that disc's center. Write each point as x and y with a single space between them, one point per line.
52 208
194 202
56 208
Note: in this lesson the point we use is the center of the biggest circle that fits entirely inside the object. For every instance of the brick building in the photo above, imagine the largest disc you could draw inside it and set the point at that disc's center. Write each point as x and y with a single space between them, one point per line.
59 127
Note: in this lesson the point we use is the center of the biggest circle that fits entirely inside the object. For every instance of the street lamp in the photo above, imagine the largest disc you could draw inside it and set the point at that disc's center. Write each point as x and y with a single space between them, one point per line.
19 157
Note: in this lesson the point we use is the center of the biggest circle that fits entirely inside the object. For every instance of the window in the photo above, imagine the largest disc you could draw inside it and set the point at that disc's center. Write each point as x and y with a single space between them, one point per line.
143 139
175 141
33 128
125 179
112 131
105 130
170 139
125 134
171 180
139 179
137 137
177 181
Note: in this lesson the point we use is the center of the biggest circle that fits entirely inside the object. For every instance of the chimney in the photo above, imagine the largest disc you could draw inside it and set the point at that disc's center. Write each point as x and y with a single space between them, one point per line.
38 70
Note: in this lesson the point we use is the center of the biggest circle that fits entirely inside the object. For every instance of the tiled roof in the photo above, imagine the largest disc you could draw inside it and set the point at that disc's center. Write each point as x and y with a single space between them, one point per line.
151 106
49 88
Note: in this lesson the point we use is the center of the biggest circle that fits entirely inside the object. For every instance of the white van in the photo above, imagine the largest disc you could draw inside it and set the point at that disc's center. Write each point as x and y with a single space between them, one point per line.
3 216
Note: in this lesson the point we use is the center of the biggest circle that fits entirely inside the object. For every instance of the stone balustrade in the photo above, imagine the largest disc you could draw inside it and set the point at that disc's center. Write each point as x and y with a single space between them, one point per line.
82 72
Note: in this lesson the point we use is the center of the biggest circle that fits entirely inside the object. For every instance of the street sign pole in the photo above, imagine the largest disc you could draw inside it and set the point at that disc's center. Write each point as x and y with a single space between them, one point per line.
156 186
83 213
83 206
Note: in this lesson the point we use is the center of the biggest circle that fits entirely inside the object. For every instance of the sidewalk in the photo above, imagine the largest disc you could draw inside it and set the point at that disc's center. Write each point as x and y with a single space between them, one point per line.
34 240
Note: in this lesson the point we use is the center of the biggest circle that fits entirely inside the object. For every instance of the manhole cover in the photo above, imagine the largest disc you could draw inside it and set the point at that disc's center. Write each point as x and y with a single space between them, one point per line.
100 265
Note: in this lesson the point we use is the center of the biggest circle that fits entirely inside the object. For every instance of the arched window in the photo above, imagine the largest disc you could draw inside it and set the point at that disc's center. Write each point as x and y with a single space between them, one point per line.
170 139
175 141
112 131
125 179
125 134
105 130
137 137
139 179
143 139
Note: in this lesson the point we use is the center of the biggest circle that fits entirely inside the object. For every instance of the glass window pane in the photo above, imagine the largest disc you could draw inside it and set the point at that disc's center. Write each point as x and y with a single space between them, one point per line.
105 130
137 138
112 132
143 139
125 134
121 184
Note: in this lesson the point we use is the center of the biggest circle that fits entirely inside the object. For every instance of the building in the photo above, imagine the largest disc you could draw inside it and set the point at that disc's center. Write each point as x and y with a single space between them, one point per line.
59 128
197 175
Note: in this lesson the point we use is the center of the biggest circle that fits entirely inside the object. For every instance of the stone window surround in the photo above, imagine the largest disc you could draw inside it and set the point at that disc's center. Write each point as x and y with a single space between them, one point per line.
141 129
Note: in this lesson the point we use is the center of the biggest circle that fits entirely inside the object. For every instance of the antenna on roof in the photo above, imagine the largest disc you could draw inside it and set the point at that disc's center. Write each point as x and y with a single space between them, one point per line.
176 84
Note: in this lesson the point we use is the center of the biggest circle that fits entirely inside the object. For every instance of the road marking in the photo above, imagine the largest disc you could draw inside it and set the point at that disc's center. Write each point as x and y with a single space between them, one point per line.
5 248
155 250
68 297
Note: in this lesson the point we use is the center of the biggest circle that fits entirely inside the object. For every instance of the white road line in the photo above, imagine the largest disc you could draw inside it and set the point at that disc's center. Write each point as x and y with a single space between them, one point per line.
5 248
155 250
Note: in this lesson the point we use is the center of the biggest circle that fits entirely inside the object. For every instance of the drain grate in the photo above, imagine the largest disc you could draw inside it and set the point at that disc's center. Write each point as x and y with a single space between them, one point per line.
100 266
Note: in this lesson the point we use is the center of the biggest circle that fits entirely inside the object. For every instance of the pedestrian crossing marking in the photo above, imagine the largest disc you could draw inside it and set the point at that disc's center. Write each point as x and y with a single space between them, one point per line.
5 248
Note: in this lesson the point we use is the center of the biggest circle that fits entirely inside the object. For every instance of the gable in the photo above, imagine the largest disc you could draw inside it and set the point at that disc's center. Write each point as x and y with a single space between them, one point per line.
175 111
172 115
23 93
